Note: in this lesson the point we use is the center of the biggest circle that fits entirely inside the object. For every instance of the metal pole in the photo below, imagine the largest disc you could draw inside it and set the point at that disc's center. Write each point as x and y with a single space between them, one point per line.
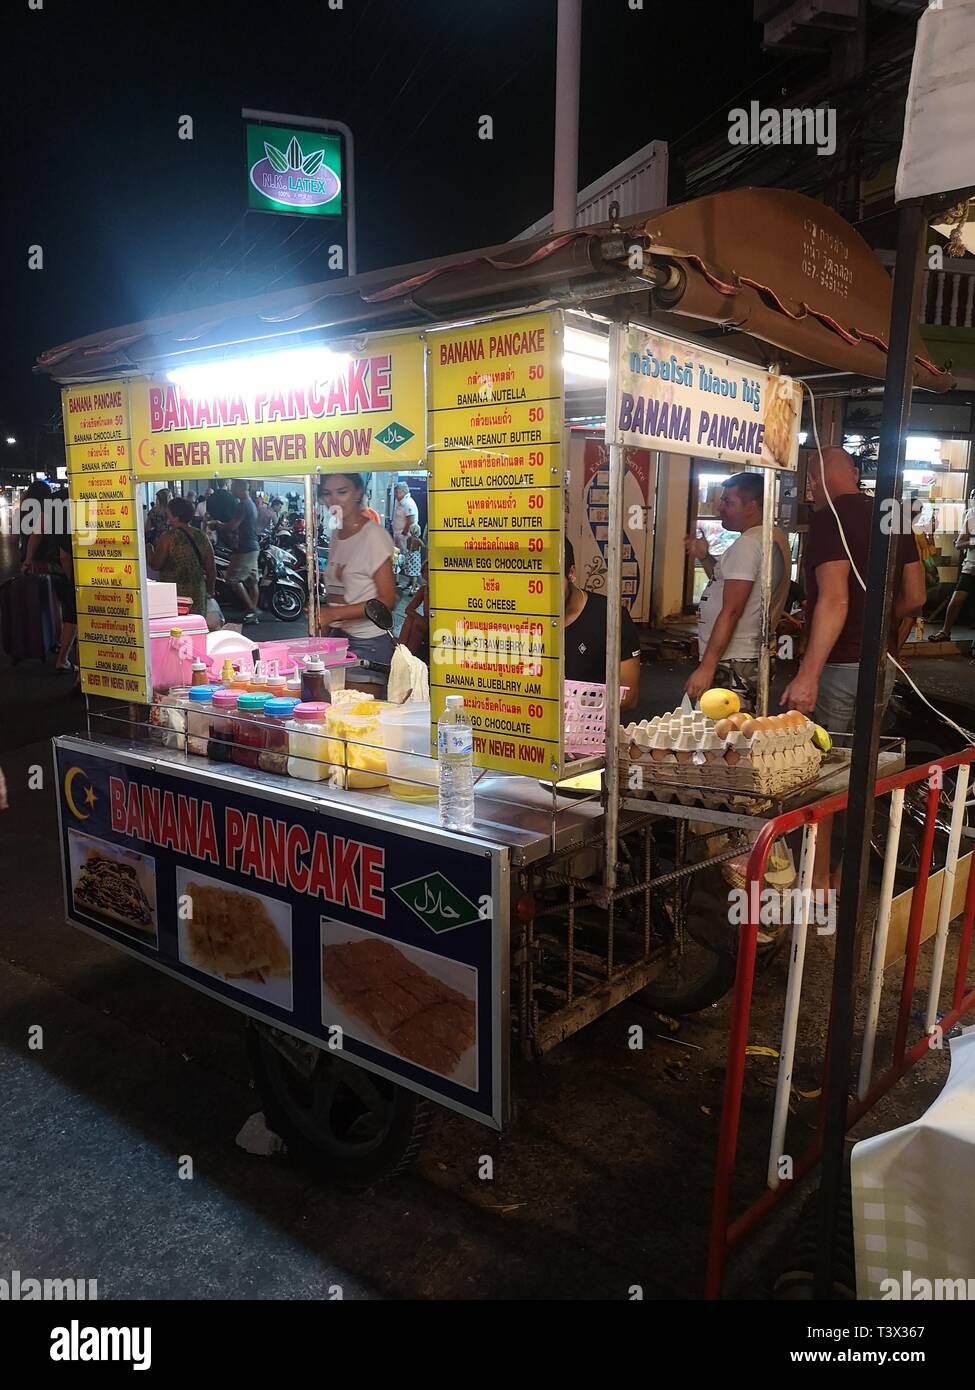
568 46
314 123
614 578
866 729
767 635
311 553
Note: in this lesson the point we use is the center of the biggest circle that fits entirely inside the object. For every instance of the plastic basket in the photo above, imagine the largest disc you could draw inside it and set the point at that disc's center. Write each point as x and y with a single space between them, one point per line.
585 717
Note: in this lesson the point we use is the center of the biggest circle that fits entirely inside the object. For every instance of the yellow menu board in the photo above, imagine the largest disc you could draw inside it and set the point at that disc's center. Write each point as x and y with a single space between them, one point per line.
108 544
495 540
310 409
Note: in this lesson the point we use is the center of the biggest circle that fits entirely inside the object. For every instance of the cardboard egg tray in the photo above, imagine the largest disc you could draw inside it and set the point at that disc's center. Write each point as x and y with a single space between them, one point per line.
769 774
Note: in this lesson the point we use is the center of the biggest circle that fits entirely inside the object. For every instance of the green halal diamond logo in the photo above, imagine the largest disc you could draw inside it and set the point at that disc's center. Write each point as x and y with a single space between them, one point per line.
394 436
437 903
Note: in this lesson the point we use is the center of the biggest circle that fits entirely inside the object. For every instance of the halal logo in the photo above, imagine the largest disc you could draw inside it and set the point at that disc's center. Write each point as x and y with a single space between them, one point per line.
394 436
437 903
295 178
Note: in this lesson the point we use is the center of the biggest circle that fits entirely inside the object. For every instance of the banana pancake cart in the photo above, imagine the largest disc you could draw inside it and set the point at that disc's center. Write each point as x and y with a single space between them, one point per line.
383 962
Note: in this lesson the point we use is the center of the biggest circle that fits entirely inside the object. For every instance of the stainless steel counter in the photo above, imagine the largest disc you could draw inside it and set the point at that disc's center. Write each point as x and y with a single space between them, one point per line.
517 813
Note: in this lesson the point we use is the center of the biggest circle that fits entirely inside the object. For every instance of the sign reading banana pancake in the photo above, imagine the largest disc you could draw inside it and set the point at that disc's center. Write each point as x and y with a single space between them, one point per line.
681 399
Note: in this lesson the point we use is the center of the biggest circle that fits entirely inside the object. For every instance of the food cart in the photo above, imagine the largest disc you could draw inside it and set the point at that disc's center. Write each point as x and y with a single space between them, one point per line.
385 963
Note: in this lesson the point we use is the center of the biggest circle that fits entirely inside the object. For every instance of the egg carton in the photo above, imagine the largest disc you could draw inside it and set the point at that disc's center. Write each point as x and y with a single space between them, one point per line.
770 774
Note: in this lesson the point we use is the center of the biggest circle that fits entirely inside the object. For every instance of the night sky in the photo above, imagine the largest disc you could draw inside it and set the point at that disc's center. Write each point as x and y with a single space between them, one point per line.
134 221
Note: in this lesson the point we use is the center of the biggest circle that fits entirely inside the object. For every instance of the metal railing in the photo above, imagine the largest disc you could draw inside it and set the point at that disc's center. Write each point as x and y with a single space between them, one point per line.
724 1234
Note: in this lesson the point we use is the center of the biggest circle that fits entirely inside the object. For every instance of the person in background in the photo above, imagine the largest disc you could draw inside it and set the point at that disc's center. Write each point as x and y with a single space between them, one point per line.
414 557
965 542
277 511
220 504
360 568
585 637
184 557
48 551
415 632
370 511
265 514
730 614
157 518
201 505
825 684
405 514
240 533
31 519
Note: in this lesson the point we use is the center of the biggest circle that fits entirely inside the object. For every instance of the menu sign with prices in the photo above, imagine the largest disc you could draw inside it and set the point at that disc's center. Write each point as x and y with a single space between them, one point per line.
495 540
108 545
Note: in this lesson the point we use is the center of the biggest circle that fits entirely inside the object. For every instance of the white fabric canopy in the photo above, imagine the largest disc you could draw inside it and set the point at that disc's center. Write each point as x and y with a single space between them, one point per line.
938 151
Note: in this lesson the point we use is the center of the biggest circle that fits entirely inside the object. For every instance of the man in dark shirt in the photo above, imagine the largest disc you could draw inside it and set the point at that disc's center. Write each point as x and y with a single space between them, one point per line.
826 681
585 638
240 532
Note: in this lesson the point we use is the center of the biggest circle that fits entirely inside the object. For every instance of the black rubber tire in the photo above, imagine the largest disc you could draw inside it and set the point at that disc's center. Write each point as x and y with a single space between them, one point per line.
293 1109
707 969
286 605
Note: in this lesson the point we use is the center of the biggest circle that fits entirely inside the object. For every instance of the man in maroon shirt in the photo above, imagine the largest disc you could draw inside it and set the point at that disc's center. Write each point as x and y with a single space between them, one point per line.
826 682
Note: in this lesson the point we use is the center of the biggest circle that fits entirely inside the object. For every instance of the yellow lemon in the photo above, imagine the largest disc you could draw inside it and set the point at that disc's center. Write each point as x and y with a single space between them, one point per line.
718 703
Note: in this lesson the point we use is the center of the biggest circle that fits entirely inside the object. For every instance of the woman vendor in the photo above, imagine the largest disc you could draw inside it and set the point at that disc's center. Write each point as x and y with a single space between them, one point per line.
585 638
360 568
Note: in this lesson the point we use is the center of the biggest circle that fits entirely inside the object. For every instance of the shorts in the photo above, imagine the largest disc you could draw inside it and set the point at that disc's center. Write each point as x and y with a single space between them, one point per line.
378 649
243 565
64 589
740 676
966 584
836 703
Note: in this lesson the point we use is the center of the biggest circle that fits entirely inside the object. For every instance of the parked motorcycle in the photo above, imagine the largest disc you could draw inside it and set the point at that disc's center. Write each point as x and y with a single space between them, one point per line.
281 588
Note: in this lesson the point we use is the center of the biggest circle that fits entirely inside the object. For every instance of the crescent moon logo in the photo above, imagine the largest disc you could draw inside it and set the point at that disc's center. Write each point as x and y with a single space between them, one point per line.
72 807
139 453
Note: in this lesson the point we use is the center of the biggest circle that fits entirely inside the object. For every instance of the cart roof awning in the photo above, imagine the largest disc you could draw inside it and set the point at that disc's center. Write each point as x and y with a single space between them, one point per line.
762 274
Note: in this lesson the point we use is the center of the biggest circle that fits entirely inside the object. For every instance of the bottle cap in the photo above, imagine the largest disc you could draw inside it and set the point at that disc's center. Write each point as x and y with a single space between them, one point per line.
198 665
454 702
202 692
175 632
311 709
251 700
225 699
314 663
279 708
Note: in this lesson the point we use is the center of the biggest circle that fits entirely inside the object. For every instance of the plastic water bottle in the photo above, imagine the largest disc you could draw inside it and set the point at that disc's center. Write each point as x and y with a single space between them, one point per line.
455 749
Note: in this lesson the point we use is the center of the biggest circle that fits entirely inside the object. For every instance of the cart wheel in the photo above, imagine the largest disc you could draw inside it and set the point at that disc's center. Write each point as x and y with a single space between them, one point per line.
704 971
355 1127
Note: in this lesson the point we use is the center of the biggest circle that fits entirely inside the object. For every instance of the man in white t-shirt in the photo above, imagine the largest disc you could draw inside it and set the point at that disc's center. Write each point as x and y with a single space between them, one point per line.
730 613
405 514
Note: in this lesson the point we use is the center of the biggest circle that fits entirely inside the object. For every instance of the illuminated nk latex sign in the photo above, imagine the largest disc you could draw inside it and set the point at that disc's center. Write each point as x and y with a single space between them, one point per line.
297 171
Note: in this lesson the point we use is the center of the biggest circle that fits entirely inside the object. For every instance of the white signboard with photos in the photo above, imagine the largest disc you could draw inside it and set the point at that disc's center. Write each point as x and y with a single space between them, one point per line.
685 400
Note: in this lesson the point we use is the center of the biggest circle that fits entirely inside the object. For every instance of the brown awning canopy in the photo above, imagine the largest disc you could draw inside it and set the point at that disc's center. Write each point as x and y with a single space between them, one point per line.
775 274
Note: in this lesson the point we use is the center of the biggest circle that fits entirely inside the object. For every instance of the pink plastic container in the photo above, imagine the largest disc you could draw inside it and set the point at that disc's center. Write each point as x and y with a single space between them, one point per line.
288 654
191 645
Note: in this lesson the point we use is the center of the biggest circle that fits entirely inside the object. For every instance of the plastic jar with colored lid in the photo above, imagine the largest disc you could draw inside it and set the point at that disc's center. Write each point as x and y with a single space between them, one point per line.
274 755
249 729
199 698
220 745
306 742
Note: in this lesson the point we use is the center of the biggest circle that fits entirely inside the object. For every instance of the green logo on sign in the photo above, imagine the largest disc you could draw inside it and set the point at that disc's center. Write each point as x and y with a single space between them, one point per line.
394 435
437 903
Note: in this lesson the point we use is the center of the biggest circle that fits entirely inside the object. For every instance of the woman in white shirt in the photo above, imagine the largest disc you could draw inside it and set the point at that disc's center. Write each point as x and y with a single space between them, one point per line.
360 567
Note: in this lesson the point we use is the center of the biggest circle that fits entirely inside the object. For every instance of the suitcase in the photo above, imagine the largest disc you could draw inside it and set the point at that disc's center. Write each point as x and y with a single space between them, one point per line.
28 626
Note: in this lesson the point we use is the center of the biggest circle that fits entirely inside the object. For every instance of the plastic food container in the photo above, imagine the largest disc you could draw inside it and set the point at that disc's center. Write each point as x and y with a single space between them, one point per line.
168 717
199 701
356 746
413 771
306 742
273 757
220 743
249 729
